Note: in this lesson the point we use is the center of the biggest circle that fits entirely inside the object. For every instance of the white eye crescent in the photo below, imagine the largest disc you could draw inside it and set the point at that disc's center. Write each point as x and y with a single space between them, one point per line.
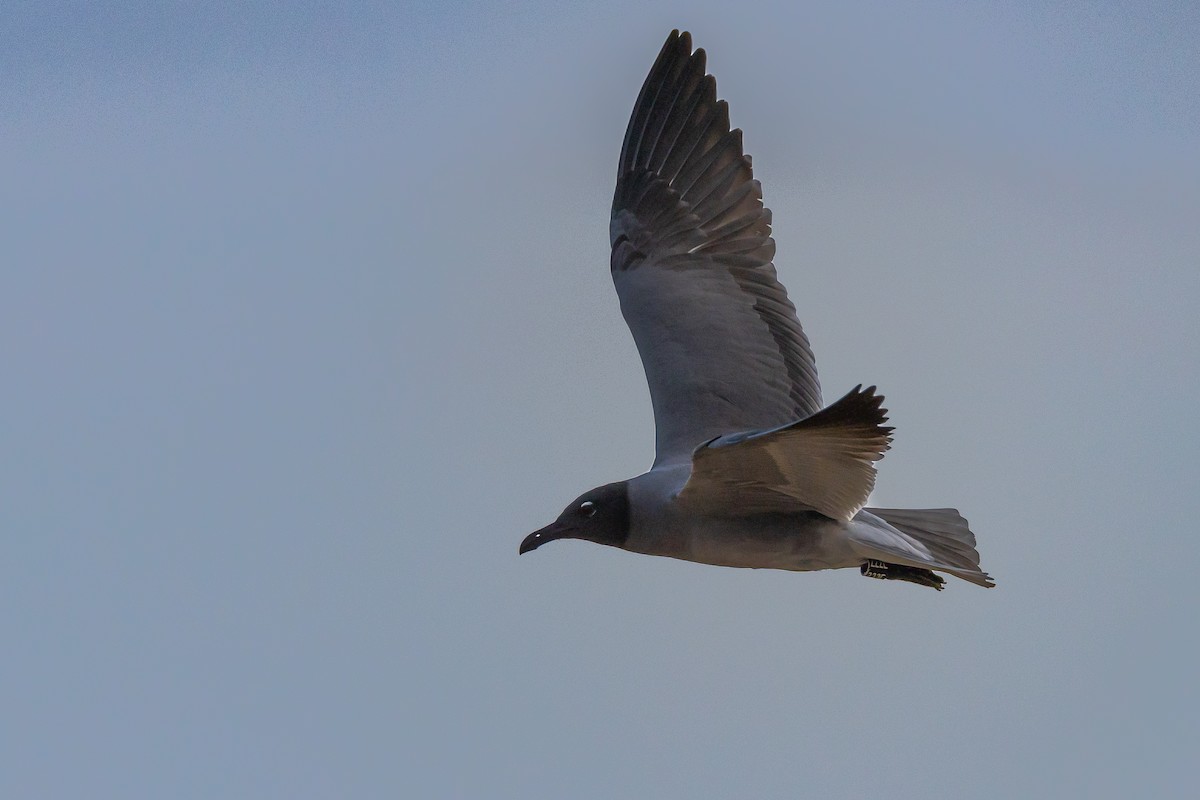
587 508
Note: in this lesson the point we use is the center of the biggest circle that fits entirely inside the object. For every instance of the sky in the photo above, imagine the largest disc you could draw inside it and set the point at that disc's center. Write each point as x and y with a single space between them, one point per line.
306 321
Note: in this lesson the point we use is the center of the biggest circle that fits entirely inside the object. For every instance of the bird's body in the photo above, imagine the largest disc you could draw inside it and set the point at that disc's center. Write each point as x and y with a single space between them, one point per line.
750 469
801 541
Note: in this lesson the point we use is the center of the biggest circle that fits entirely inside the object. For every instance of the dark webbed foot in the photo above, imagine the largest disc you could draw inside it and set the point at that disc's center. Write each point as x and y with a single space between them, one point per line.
898 572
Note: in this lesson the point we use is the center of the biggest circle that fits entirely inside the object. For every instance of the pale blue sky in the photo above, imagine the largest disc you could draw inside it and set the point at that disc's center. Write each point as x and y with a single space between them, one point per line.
306 320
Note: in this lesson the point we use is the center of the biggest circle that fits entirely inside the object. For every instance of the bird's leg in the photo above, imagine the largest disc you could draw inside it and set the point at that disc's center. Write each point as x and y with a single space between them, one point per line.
898 572
874 569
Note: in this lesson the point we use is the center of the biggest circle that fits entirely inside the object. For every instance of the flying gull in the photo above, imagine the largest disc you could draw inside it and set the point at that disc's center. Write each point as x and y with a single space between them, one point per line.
750 470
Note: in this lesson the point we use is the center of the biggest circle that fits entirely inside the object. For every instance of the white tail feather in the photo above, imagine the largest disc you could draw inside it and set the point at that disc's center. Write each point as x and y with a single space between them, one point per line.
941 532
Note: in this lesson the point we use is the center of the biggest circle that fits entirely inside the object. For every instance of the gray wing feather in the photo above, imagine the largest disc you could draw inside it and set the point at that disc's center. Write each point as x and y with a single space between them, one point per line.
824 463
691 262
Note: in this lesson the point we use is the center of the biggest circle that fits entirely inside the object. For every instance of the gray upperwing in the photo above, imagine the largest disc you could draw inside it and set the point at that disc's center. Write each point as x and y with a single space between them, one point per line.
691 262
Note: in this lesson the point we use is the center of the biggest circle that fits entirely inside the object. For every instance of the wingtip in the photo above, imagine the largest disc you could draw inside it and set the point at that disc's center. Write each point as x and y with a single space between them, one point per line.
680 41
869 397
679 45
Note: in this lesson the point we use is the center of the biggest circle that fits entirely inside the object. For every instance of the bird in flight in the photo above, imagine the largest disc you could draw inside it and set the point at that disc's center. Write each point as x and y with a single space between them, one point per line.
750 469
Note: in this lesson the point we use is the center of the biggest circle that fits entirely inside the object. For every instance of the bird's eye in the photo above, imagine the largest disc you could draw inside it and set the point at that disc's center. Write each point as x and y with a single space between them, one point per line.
587 508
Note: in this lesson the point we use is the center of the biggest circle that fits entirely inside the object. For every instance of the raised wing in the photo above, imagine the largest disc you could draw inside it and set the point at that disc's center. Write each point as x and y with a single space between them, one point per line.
824 463
691 261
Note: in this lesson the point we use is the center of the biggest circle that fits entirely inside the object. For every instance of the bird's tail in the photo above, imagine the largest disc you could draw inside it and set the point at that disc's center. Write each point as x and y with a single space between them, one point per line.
940 532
